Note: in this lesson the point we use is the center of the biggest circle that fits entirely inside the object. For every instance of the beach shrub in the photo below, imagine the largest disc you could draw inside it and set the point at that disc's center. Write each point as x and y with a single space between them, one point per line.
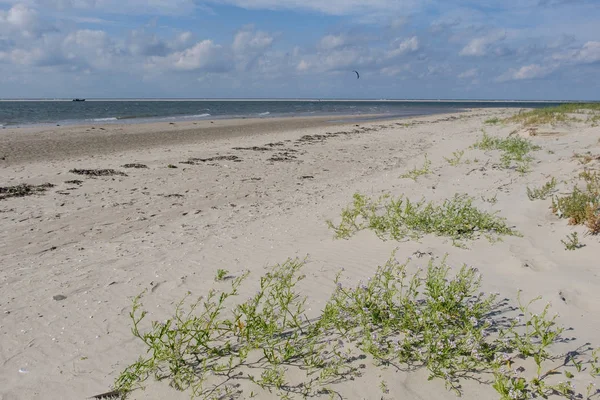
456 218
513 148
435 319
581 206
543 192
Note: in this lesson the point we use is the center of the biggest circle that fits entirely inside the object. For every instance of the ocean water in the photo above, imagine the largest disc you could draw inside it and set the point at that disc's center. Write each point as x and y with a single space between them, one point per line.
32 112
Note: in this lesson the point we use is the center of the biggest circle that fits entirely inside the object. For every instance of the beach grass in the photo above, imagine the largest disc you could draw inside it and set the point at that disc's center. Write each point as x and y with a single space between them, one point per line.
435 319
399 219
555 115
515 149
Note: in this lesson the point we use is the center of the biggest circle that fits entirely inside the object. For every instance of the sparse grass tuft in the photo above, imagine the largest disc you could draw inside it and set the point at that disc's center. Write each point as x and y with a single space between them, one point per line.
572 242
221 274
399 219
586 158
543 192
456 157
415 172
514 149
493 121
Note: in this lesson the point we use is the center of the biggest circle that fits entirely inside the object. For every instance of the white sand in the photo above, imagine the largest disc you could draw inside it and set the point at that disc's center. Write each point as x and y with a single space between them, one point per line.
168 230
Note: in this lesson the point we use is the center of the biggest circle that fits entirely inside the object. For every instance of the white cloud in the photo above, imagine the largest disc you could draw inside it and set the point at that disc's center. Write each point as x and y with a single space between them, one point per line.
137 7
20 20
329 42
480 46
401 47
249 46
532 71
331 7
589 53
203 56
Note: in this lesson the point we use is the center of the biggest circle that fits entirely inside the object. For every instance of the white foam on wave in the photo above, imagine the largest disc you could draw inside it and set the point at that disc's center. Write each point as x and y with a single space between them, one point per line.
198 116
104 119
265 113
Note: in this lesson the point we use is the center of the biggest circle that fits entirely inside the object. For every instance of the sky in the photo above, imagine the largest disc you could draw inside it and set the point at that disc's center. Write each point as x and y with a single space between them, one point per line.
403 49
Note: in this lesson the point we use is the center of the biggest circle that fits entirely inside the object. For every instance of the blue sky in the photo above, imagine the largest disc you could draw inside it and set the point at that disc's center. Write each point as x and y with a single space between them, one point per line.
468 49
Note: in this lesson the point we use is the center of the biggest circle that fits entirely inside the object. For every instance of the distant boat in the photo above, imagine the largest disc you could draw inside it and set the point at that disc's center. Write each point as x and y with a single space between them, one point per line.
78 99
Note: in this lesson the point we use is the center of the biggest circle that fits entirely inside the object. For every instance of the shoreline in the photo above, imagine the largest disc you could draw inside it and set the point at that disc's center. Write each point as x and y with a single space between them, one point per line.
22 145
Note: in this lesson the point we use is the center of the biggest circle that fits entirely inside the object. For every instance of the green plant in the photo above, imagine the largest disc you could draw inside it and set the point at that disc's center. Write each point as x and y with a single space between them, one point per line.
416 172
435 319
398 219
543 192
578 206
572 242
456 157
554 115
514 149
221 274
493 121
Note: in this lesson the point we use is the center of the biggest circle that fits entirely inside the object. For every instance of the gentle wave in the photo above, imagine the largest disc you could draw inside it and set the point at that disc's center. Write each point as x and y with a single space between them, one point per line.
265 113
197 116
104 119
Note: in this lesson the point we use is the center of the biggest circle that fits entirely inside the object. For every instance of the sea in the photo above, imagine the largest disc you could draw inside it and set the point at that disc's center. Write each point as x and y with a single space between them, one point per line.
22 113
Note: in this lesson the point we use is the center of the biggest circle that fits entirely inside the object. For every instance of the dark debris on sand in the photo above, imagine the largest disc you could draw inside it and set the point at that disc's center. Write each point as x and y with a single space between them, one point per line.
23 190
135 165
253 148
97 172
283 156
74 182
196 161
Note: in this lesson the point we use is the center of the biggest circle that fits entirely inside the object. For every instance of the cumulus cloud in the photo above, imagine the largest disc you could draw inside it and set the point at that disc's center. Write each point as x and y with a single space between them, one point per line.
249 46
532 71
400 47
20 20
479 46
329 42
203 56
589 53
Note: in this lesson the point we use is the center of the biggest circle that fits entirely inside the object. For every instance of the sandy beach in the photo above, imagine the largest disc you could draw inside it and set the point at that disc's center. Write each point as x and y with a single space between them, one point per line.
242 195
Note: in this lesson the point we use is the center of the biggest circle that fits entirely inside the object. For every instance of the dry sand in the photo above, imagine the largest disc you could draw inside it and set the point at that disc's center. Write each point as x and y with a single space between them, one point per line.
97 244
